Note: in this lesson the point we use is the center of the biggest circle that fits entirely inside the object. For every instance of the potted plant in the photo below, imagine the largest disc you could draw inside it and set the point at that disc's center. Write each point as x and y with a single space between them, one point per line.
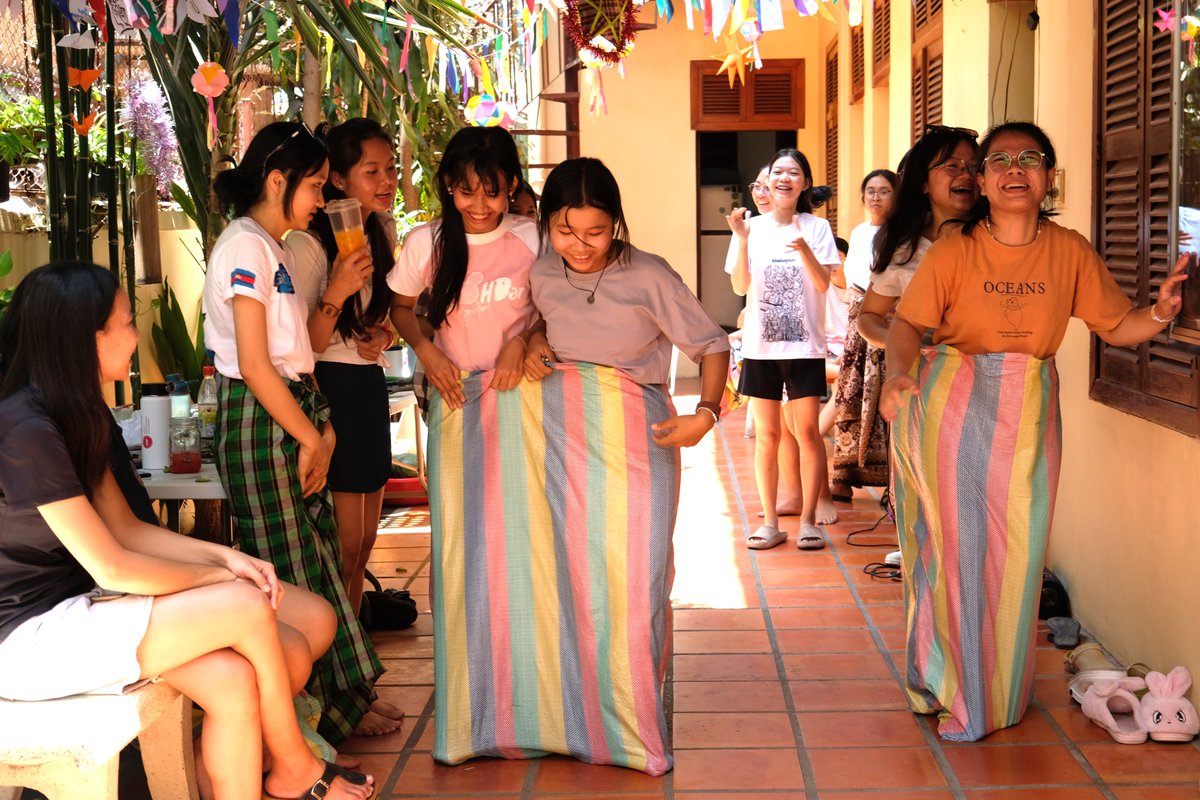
22 136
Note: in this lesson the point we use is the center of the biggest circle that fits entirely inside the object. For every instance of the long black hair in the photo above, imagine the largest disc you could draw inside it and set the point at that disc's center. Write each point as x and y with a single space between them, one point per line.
490 156
48 342
345 145
580 182
285 146
811 198
901 231
982 207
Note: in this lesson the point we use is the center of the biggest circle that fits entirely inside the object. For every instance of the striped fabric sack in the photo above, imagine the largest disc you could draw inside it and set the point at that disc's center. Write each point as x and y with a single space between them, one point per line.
975 471
552 511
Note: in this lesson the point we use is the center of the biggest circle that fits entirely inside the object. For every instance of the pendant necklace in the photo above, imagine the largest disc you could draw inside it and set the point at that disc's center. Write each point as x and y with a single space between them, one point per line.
987 221
591 298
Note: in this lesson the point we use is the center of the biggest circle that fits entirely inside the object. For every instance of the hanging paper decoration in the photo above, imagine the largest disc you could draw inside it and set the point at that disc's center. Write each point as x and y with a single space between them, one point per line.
734 60
82 128
601 30
83 78
210 80
79 41
484 111
1165 21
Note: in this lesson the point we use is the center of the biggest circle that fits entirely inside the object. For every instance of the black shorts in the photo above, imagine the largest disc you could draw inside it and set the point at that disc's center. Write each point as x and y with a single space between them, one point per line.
358 408
766 378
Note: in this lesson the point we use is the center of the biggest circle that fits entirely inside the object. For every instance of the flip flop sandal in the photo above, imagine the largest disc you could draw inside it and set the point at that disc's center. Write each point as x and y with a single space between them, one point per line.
810 538
321 788
765 538
1064 632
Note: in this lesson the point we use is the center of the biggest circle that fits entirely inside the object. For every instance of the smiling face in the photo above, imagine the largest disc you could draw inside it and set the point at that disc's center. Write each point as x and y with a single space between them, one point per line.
373 180
1015 189
760 192
481 207
308 197
583 237
117 341
952 189
877 198
787 182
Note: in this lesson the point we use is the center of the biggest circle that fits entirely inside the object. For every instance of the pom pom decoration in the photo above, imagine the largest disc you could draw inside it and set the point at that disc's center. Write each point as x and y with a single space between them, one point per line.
211 81
601 30
484 111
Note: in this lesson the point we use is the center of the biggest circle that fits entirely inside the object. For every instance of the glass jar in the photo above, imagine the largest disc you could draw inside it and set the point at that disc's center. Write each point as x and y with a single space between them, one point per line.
185 445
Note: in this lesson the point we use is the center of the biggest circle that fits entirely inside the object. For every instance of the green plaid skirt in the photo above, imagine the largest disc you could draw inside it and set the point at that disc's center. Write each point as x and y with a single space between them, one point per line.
258 462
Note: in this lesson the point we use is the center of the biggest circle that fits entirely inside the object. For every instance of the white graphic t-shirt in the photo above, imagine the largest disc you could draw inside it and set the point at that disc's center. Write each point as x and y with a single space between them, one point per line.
494 305
785 314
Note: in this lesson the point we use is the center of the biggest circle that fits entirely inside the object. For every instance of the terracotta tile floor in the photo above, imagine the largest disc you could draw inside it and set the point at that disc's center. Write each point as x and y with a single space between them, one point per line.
784 682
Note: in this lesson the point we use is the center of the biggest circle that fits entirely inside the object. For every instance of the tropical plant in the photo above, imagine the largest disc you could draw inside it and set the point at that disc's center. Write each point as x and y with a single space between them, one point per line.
22 130
266 33
6 266
174 350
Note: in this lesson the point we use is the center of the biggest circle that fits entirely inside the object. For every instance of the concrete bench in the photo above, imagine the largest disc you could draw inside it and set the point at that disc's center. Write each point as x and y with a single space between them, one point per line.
68 749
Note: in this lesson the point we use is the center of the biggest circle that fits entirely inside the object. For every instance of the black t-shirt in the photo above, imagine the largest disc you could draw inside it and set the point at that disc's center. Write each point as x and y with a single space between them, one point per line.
121 464
36 570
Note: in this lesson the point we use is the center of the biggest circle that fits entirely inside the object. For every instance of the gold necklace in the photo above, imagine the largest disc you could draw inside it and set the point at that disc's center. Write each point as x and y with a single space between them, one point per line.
987 221
591 298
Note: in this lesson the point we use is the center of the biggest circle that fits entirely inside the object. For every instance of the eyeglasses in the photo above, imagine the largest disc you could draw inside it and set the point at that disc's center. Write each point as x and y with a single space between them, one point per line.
303 128
759 188
882 194
951 129
1026 159
955 167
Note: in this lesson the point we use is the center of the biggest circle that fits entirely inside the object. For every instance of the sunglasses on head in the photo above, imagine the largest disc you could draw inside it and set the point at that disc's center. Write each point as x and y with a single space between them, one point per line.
301 128
951 129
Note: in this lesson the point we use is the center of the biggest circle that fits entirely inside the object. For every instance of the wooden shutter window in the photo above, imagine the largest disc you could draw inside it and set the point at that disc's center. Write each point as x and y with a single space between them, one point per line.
831 132
1159 380
933 90
858 65
772 98
927 19
928 79
881 41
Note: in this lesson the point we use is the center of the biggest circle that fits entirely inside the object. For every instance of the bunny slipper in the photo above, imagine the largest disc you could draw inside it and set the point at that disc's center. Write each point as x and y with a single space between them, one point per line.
1112 705
1165 714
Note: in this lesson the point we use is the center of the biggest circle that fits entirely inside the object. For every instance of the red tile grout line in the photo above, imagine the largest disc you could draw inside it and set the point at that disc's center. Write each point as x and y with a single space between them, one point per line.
406 752
806 767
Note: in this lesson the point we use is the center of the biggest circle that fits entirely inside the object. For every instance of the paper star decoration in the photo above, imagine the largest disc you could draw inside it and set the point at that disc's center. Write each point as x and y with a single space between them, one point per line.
735 59
1165 21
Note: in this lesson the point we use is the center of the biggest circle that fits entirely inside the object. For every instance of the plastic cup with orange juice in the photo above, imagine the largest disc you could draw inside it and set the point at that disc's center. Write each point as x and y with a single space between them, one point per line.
345 217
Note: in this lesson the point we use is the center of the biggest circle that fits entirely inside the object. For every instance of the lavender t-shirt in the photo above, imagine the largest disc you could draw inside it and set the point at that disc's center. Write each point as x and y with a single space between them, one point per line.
642 307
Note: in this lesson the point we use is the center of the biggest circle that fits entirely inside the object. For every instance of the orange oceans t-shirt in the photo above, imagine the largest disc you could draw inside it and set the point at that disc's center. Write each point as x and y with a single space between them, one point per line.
981 296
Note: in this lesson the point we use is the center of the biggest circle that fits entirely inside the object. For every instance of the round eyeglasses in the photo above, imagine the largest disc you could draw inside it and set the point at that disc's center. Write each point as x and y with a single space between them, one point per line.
1026 159
956 166
882 194
759 188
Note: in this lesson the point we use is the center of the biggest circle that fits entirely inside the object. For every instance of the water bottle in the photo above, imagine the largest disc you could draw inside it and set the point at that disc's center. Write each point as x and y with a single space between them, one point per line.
181 399
156 426
206 404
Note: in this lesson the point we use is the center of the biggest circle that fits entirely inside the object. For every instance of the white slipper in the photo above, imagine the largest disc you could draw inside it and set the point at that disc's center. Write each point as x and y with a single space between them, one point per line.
810 537
765 538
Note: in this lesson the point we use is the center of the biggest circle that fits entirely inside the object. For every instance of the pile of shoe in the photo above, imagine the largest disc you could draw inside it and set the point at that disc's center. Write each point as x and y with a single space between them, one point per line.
1133 704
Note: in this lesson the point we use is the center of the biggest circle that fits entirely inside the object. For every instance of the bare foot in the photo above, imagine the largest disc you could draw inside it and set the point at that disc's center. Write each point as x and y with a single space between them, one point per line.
296 784
374 724
385 709
346 761
787 508
840 489
826 512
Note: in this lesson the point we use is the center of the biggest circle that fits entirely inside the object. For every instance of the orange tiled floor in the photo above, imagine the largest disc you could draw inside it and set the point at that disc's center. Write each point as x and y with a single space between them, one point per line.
784 683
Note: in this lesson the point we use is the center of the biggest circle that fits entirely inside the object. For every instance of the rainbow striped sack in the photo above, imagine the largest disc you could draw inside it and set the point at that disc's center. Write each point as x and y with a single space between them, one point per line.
975 471
551 511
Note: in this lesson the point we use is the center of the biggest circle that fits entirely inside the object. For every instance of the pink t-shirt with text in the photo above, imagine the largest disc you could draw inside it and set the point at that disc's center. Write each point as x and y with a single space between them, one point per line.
494 305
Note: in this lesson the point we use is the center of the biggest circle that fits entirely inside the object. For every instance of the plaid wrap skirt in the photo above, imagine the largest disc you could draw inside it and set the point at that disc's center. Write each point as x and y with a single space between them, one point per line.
259 466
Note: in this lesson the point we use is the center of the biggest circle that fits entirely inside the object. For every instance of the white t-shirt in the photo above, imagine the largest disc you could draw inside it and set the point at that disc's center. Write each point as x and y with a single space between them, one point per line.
785 314
837 318
246 261
495 304
861 255
312 278
893 281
